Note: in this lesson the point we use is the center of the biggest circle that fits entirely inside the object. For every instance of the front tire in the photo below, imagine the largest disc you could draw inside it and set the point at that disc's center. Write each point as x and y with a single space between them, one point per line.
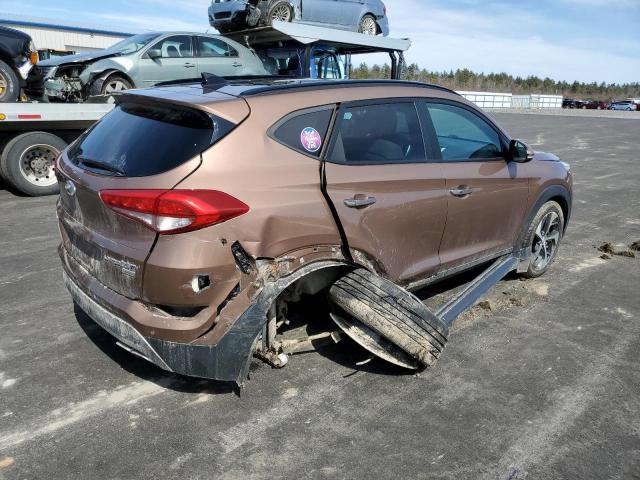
9 84
368 25
28 163
114 84
543 238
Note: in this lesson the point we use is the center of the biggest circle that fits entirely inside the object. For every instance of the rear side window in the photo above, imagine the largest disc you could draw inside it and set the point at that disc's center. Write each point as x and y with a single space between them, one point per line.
212 47
463 135
379 134
304 131
137 140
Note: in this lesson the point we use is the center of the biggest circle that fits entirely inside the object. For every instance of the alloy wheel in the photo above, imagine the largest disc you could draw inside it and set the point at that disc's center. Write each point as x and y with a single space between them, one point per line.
115 86
281 13
546 240
368 26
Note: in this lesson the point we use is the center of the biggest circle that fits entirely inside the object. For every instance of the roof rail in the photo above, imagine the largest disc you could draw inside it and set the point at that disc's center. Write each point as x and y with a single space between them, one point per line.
327 84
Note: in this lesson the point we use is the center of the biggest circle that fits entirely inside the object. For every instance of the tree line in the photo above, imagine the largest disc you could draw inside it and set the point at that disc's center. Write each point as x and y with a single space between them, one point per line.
465 79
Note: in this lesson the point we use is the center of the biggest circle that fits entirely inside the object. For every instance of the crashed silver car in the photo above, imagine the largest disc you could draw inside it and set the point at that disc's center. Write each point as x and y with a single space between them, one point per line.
140 61
364 16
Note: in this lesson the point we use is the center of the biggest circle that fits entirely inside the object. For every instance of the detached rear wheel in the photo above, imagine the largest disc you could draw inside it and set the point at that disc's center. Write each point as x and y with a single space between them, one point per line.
28 163
543 238
280 11
368 25
9 85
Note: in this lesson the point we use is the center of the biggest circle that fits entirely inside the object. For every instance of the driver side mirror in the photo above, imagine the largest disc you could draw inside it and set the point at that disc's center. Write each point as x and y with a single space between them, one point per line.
519 152
153 53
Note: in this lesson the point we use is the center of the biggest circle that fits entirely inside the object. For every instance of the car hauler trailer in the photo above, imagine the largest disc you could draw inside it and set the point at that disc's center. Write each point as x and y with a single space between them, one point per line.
300 50
33 134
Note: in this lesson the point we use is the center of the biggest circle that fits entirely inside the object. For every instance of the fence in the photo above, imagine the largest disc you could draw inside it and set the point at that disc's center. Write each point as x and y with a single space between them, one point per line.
508 100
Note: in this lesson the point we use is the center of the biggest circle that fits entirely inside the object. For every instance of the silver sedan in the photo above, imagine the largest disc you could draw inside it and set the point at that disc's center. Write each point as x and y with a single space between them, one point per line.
141 61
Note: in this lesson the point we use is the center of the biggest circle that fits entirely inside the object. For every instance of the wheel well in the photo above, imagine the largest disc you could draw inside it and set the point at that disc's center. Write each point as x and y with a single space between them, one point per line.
375 19
108 73
563 204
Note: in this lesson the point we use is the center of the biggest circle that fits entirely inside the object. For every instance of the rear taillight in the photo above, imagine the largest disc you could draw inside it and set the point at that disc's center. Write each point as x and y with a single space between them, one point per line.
174 211
384 7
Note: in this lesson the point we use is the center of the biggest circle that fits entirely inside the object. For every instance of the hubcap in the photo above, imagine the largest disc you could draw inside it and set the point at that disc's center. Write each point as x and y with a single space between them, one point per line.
546 240
368 26
281 13
37 165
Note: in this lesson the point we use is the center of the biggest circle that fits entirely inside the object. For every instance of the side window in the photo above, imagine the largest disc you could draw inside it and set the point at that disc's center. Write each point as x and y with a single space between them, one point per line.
462 135
379 134
178 46
213 47
304 131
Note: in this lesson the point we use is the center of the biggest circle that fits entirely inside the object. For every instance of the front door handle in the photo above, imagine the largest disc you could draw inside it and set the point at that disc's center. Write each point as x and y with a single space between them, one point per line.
461 191
359 202
236 64
189 65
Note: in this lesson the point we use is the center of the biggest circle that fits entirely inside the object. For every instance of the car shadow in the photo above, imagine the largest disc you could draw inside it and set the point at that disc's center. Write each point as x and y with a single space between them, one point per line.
346 352
144 369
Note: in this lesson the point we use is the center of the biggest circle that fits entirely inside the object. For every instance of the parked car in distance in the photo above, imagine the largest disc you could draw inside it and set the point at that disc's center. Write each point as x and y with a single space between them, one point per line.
140 61
18 55
257 188
624 105
570 103
364 16
595 105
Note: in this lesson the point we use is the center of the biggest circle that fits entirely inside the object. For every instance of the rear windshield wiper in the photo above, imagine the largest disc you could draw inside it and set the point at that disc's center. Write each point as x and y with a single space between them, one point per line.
88 162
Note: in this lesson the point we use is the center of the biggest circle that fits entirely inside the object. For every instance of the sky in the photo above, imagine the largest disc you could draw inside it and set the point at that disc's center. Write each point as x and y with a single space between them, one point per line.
584 40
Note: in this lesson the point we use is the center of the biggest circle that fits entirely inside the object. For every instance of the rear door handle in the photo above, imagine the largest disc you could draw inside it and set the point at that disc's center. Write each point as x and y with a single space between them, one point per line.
189 65
236 64
359 202
461 191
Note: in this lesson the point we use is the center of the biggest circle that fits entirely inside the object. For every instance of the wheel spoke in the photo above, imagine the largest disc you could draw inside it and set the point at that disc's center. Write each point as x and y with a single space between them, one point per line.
554 237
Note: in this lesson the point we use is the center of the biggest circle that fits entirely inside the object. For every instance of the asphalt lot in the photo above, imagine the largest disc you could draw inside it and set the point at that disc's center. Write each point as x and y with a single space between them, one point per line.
541 382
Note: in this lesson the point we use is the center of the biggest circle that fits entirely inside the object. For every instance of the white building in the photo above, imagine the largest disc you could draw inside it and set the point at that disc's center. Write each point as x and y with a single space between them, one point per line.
61 37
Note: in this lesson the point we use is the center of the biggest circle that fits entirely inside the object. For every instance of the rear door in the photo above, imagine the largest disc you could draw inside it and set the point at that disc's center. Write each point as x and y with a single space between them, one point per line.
487 195
177 61
137 146
389 196
217 57
321 11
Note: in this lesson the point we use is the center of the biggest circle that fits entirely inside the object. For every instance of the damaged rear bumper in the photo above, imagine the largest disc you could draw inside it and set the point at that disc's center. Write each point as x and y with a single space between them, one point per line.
226 360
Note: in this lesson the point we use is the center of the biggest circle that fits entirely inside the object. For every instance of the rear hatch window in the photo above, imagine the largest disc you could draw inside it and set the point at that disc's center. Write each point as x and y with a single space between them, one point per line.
138 140
137 146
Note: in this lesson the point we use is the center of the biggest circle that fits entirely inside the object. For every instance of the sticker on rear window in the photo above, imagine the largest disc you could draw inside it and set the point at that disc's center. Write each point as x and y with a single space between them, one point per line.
310 139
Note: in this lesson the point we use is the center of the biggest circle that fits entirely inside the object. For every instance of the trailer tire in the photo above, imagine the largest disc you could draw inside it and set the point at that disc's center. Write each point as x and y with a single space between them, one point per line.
391 312
9 84
28 163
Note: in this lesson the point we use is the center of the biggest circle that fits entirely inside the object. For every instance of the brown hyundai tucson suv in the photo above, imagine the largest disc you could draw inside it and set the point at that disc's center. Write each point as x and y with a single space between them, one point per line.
190 211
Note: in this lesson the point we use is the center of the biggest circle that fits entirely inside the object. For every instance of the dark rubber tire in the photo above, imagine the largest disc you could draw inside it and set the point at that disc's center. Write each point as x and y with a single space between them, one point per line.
278 4
11 157
548 207
392 312
11 92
